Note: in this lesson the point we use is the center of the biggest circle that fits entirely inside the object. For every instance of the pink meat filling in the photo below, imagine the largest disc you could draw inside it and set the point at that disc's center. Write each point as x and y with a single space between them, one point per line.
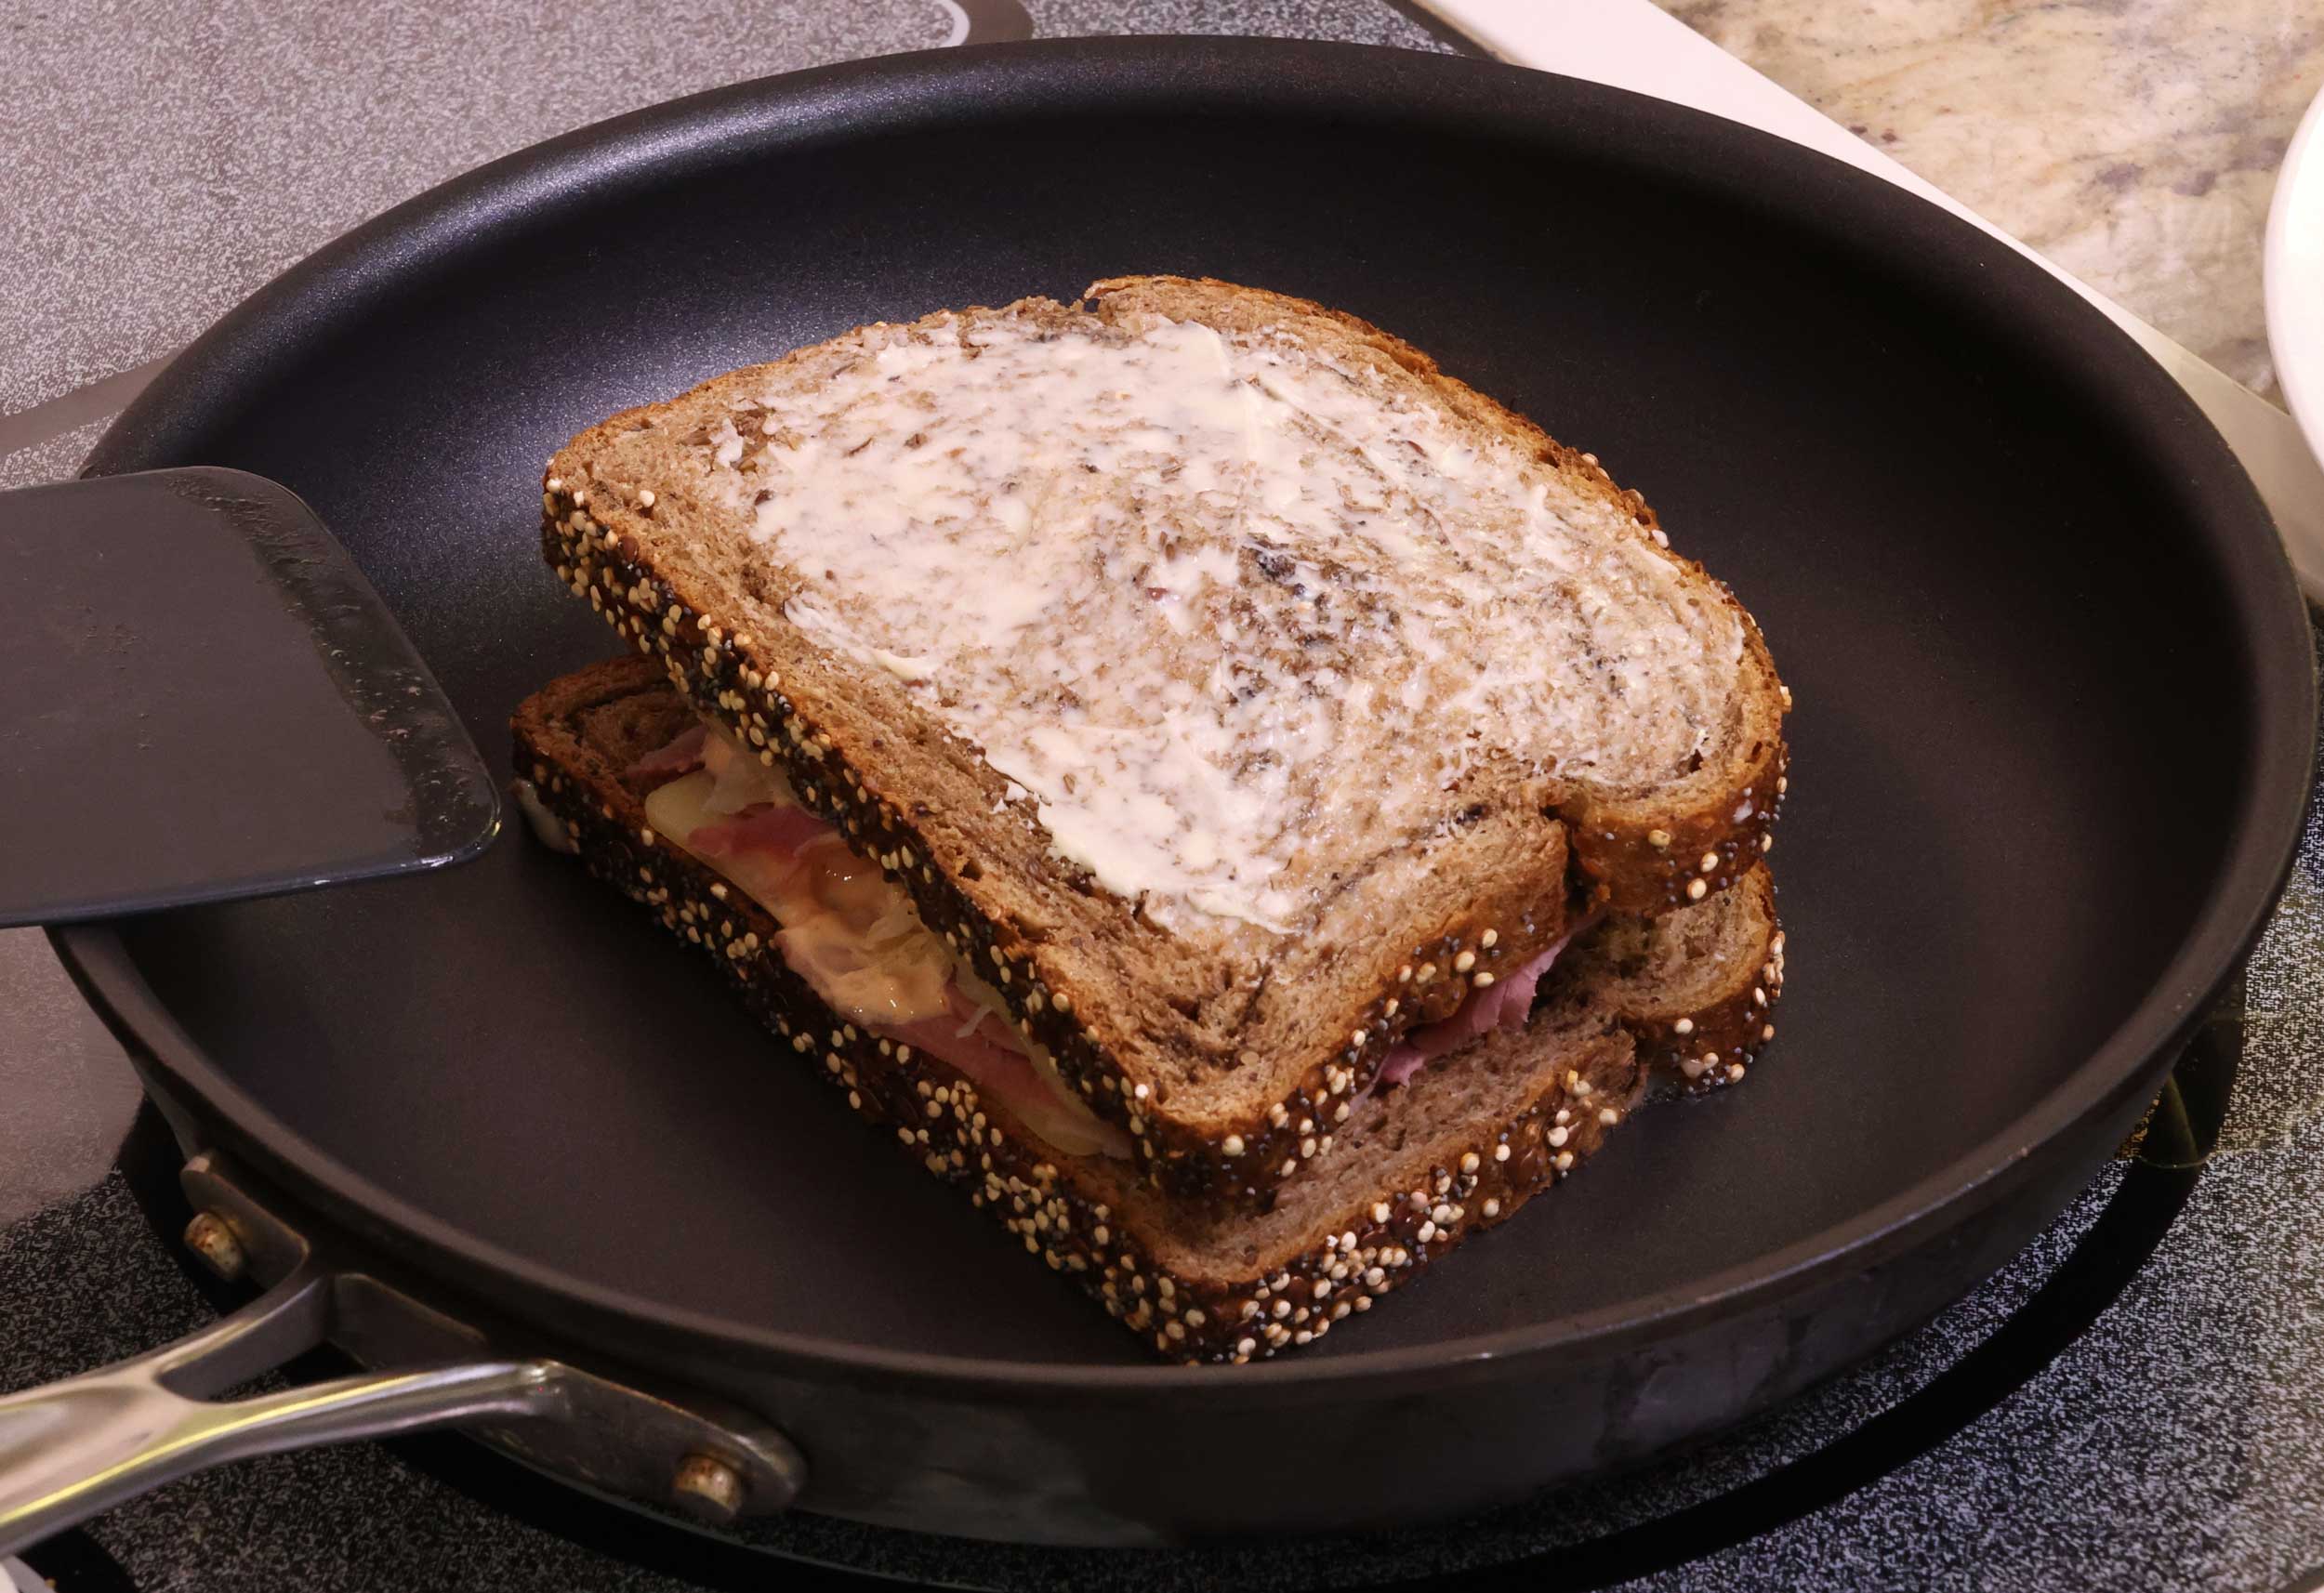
960 1042
768 833
1504 1004
762 828
680 756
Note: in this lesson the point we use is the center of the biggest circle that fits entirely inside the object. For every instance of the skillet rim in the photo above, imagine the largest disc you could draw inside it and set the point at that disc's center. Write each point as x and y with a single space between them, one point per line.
853 100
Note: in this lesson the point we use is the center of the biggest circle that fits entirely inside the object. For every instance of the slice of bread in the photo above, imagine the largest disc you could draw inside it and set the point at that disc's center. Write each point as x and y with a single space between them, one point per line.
1697 988
1237 690
1461 1147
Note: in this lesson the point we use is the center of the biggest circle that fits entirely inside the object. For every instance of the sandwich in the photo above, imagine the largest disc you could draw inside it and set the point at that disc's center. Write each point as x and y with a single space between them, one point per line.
1246 806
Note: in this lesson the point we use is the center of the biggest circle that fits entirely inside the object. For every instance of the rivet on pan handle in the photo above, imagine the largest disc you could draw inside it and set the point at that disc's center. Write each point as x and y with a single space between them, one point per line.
75 1448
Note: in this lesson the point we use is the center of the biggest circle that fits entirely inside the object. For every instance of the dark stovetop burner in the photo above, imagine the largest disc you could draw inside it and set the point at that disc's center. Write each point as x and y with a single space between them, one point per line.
1839 1440
70 1564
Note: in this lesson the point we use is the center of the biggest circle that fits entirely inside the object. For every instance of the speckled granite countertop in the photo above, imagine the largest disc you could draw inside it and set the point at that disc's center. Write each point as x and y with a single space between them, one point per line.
2114 1410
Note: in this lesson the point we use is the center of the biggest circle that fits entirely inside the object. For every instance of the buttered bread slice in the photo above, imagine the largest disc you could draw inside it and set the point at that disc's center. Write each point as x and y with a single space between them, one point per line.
1232 691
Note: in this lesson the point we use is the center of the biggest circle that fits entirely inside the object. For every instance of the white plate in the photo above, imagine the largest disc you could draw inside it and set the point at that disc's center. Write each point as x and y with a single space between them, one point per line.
2296 276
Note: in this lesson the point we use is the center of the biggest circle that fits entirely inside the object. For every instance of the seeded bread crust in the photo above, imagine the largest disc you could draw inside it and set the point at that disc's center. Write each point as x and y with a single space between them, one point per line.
1698 994
599 532
1182 1278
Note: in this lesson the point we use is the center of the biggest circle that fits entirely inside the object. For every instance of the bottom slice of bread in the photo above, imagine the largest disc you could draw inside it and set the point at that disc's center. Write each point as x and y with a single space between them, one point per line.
1461 1146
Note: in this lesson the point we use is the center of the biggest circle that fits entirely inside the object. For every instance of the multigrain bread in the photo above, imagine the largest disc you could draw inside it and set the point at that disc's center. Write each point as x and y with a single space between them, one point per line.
1698 988
1458 1147
1231 688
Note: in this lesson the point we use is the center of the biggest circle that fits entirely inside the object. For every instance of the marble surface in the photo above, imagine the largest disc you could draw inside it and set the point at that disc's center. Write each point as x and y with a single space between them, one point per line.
2134 142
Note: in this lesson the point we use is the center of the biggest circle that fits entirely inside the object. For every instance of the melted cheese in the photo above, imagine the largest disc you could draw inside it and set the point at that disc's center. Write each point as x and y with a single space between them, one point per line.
855 938
846 930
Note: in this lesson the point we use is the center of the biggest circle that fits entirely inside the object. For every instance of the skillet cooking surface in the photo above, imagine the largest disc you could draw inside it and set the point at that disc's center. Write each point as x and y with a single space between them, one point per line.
2036 632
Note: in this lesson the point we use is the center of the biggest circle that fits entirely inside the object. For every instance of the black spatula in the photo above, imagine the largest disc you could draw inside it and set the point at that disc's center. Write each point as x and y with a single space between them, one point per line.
203 698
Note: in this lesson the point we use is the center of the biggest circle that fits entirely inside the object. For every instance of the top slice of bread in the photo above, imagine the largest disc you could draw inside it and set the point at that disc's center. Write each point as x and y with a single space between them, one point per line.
1231 687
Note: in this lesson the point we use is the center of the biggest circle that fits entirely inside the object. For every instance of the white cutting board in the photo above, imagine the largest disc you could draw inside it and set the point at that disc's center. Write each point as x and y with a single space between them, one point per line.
1635 44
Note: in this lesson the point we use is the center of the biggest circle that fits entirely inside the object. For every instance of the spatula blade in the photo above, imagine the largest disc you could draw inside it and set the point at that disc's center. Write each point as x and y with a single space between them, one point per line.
205 699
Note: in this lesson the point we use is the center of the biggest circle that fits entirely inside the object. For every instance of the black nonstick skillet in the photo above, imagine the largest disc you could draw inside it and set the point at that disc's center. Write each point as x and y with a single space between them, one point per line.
492 1133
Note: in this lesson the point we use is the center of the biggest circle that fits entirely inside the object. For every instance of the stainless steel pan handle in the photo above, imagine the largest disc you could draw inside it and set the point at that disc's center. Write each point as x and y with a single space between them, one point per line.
75 1448
78 1447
